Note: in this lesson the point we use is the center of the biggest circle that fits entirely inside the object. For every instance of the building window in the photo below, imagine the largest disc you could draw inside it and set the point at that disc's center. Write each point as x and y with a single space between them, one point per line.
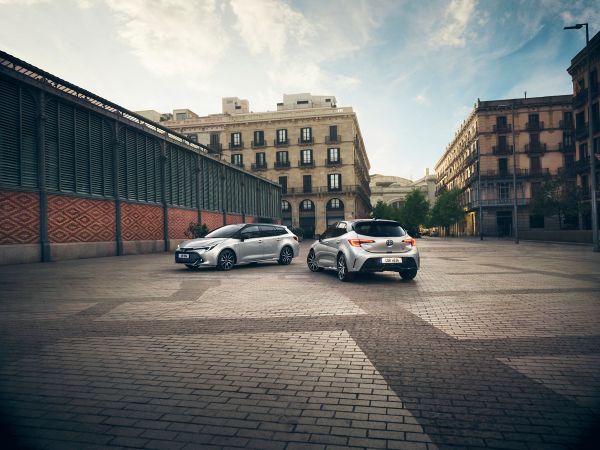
192 137
285 206
237 159
307 205
583 153
536 188
503 191
260 159
335 204
333 136
283 183
306 183
259 138
282 157
214 139
534 121
306 134
180 116
282 136
502 167
306 158
334 182
333 155
501 124
536 221
236 139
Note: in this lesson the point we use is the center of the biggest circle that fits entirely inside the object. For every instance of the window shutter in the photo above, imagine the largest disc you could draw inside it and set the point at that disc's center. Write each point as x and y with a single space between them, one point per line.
96 155
51 149
82 154
9 133
66 148
29 157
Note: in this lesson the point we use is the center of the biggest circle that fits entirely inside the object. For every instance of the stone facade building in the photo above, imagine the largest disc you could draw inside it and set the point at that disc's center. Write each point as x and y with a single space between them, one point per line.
310 146
579 148
393 190
538 132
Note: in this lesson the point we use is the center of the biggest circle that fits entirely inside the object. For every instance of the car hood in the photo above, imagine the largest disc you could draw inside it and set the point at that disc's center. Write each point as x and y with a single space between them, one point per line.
201 242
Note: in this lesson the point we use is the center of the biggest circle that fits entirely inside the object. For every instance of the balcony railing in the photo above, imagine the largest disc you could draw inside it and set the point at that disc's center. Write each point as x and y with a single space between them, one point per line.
240 164
566 147
580 98
282 164
216 147
282 143
310 163
350 188
503 173
535 148
581 131
506 128
471 158
306 141
539 172
259 144
259 166
333 162
498 202
565 125
333 139
534 126
238 145
502 149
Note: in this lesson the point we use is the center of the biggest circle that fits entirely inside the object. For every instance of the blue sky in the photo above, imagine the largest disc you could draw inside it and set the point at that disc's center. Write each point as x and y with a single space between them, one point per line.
412 70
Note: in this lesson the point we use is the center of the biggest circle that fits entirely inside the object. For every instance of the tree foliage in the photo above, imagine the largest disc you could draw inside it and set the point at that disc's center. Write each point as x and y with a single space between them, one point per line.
556 197
415 210
447 210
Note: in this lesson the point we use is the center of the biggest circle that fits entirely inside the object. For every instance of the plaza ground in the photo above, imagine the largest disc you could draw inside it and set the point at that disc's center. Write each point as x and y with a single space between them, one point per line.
493 345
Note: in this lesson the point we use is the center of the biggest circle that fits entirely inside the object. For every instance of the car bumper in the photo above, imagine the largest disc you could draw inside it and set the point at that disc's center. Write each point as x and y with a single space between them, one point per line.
196 258
373 262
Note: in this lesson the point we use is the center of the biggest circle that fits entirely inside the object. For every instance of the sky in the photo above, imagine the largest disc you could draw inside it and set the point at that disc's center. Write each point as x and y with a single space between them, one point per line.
411 69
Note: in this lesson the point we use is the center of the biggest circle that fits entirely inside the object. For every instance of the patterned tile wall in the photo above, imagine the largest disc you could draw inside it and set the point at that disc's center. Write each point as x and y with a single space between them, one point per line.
179 220
234 218
19 217
212 219
76 219
141 222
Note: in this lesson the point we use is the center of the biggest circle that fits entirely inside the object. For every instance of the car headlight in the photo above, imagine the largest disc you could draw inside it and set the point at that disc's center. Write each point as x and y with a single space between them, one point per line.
204 249
177 247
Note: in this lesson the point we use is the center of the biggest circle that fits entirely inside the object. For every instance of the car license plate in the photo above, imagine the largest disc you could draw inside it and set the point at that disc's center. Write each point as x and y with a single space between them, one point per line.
184 256
391 260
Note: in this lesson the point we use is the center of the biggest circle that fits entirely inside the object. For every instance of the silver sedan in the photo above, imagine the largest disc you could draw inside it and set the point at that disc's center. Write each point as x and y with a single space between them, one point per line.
239 244
365 246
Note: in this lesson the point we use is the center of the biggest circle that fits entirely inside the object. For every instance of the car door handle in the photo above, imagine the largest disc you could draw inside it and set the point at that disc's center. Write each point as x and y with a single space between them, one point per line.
260 241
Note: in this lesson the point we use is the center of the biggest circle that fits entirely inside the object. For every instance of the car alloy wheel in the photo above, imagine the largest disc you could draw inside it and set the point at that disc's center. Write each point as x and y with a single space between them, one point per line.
285 256
226 260
311 261
342 269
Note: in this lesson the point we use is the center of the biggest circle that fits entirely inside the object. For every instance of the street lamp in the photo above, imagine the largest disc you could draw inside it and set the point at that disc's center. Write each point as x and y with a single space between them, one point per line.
590 140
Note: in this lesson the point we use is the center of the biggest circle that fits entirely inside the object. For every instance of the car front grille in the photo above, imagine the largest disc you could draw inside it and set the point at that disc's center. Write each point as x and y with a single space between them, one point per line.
193 257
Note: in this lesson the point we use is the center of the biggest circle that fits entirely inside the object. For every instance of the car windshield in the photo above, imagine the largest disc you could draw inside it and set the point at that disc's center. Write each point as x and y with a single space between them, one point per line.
227 231
379 229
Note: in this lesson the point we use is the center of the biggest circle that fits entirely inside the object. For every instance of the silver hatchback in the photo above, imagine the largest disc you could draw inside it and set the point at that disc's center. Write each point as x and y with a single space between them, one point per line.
238 244
365 246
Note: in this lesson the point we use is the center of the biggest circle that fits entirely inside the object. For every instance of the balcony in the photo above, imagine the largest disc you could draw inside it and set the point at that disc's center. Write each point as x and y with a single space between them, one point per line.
282 164
281 143
333 162
471 158
566 147
565 125
236 146
534 126
216 147
503 173
241 164
502 149
306 141
583 165
539 172
580 98
501 129
535 148
259 144
498 202
581 131
568 172
306 164
259 166
595 87
333 139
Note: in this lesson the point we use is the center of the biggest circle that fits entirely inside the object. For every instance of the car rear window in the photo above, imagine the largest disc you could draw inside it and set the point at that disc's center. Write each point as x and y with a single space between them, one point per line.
379 229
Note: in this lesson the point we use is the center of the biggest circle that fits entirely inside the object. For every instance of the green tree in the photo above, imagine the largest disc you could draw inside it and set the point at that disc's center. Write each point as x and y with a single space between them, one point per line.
447 210
415 209
556 197
384 211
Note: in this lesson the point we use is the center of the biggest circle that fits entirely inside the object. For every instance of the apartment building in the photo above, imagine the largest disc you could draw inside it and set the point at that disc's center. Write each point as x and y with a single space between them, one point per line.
310 146
579 148
530 137
393 190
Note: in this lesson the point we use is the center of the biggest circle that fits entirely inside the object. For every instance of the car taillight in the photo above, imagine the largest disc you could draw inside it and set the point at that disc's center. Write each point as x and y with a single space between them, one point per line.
359 242
410 241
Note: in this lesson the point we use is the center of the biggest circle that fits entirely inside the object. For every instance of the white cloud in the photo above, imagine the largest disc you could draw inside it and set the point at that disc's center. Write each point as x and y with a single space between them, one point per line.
454 25
173 37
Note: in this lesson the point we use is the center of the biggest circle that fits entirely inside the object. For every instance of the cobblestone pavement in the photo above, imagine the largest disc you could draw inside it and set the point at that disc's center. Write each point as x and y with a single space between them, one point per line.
493 345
